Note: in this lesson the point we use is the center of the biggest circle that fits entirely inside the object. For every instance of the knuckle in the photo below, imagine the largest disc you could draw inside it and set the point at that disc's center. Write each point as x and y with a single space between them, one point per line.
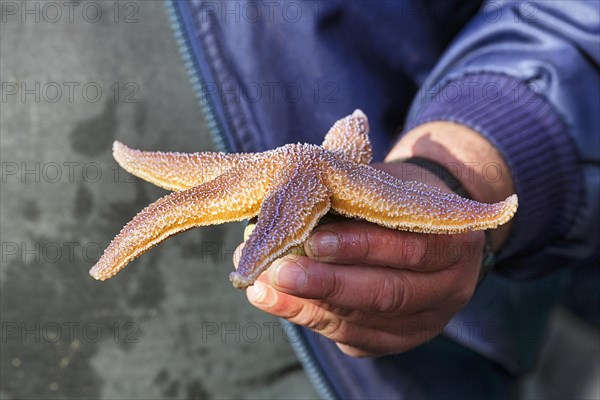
294 313
376 243
349 315
310 318
332 328
368 245
353 245
356 246
318 320
344 312
353 316
388 297
334 287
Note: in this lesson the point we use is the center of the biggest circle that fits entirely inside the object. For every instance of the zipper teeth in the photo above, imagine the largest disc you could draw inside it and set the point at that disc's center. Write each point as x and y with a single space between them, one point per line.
311 368
196 78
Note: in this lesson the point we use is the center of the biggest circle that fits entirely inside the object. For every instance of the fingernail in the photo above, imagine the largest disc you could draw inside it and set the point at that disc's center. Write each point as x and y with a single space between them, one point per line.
262 294
323 245
289 275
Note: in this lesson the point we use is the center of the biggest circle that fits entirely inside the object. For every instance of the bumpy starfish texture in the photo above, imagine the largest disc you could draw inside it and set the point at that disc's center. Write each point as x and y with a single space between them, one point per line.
289 189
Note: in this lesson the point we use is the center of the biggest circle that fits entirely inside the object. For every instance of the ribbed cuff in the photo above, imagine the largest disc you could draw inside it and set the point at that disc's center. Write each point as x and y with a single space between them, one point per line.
532 138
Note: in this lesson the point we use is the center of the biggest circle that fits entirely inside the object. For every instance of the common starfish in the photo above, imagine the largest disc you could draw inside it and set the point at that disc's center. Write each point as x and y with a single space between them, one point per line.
289 188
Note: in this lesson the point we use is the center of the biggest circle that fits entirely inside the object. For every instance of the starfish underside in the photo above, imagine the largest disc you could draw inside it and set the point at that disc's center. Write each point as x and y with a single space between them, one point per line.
289 189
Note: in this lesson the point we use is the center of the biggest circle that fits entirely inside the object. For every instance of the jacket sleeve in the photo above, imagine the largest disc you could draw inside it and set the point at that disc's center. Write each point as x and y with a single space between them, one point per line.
526 76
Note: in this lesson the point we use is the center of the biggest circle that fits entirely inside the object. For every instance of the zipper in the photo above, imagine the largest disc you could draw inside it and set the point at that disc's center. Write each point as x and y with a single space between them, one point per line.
312 369
197 78
307 359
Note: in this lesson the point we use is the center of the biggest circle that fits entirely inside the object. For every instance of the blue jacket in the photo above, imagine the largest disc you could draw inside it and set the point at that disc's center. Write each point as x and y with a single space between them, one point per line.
524 74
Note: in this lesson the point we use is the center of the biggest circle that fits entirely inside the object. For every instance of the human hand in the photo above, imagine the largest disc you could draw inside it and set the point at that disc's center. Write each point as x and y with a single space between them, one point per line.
372 290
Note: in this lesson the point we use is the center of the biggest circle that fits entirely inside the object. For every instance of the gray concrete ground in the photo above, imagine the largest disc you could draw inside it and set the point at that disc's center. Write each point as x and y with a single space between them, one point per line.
170 325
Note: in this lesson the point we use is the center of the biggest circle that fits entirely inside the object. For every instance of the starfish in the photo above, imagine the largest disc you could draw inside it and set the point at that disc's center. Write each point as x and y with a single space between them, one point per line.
289 188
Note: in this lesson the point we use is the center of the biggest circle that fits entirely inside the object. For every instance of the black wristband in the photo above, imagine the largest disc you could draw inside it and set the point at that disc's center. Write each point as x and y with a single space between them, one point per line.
489 258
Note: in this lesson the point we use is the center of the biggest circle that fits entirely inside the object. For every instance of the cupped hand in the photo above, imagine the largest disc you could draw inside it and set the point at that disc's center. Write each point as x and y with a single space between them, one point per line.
372 290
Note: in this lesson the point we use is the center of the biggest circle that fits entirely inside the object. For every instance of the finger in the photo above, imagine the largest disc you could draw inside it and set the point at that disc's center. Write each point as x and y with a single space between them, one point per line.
358 340
360 242
373 289
303 312
425 324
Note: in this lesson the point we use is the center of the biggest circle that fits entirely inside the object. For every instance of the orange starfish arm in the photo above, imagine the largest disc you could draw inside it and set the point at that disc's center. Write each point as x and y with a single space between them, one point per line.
286 217
175 171
365 192
350 136
208 204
